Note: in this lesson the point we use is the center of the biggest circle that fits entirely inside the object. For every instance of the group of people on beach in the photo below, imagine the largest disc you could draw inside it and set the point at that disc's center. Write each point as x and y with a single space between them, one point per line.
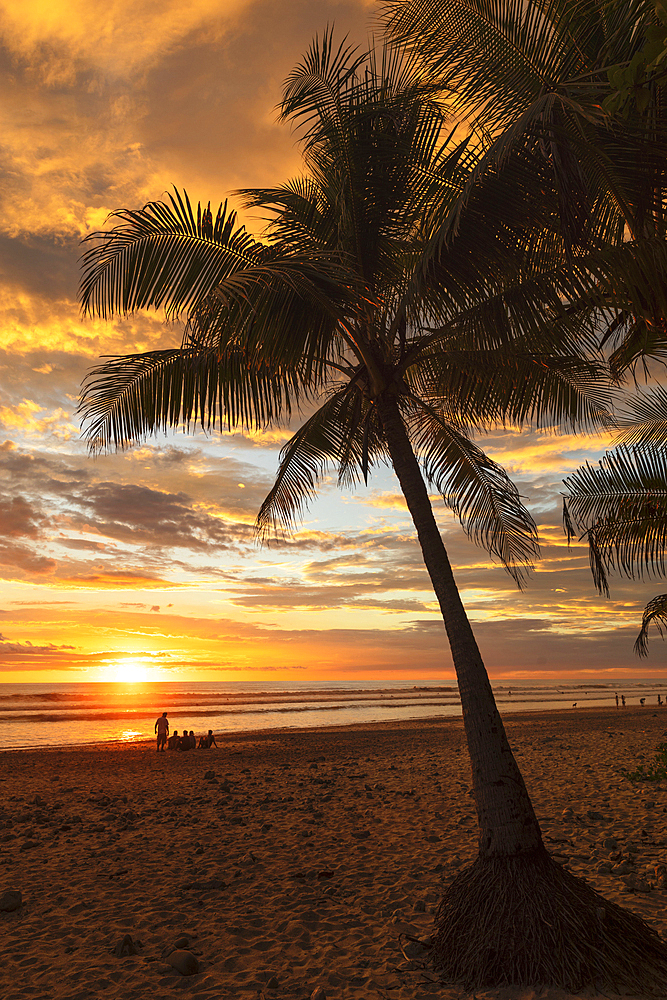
642 701
187 741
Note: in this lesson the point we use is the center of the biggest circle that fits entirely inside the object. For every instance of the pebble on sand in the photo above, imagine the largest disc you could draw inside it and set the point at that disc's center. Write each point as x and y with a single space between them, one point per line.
10 900
184 962
126 946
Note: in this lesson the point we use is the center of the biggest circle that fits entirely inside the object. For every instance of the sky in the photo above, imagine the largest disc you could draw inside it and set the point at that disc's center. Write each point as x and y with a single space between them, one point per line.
144 565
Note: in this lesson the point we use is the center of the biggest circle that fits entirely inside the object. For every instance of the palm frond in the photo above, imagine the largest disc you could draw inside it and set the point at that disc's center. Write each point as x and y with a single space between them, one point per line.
644 422
126 399
620 506
163 257
344 432
477 490
655 613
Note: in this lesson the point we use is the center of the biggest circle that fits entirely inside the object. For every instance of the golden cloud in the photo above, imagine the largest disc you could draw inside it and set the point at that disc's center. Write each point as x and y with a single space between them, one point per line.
118 37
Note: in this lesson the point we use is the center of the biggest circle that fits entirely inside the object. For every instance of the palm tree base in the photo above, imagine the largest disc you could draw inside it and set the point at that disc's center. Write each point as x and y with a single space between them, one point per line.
525 920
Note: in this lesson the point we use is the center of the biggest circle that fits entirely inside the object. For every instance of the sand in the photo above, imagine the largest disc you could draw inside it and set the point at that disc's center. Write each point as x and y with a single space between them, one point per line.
304 863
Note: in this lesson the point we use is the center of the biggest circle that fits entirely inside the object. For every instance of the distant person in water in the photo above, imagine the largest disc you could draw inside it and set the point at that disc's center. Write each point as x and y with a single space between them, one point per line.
162 730
641 701
174 740
206 742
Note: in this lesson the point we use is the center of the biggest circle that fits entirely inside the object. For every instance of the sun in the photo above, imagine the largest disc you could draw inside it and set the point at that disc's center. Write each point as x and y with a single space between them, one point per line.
130 672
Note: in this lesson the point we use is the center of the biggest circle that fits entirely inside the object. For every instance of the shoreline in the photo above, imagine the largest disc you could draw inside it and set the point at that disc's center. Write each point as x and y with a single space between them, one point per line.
306 858
416 721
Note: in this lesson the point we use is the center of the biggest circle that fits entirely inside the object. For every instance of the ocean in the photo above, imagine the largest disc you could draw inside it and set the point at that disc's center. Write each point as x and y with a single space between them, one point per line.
41 715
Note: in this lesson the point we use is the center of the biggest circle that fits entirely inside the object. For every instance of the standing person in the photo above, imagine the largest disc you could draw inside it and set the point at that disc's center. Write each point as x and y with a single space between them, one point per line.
162 730
623 700
616 699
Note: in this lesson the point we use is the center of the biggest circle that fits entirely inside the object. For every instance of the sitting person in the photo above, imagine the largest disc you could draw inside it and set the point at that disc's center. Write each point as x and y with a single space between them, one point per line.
173 740
184 742
193 740
206 742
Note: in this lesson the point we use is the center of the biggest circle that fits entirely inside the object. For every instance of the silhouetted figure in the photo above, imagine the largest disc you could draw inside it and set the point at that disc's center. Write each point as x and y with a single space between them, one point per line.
574 705
659 700
206 742
174 740
641 701
623 700
616 699
162 730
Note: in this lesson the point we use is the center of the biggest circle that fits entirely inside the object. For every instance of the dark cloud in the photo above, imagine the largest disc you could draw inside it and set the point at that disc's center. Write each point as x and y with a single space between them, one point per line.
18 517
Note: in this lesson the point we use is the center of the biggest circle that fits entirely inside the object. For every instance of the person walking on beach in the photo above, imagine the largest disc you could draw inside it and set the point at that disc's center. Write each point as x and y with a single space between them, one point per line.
617 701
162 730
623 700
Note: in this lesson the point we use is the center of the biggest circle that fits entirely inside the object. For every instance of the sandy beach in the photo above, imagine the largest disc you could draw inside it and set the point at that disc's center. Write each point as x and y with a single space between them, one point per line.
308 860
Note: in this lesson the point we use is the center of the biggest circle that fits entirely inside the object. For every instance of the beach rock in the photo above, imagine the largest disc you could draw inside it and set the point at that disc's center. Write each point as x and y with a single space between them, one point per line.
273 983
206 885
318 994
610 843
184 962
568 813
208 775
178 800
126 946
10 900
636 884
415 949
180 943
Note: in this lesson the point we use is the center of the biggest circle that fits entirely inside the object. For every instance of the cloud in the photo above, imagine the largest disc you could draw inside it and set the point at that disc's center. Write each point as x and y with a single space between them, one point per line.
107 579
26 656
119 39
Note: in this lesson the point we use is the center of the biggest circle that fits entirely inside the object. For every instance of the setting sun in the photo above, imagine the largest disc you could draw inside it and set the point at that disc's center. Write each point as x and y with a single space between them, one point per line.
130 672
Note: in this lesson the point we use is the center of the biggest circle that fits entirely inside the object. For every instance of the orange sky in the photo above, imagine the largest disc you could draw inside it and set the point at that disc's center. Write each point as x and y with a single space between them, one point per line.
144 564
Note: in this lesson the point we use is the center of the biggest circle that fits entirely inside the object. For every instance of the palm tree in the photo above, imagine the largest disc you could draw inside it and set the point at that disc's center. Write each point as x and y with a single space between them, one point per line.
544 75
620 505
406 353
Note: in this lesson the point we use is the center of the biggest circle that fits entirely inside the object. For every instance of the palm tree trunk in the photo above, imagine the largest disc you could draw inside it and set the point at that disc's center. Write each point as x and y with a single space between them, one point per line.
507 822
